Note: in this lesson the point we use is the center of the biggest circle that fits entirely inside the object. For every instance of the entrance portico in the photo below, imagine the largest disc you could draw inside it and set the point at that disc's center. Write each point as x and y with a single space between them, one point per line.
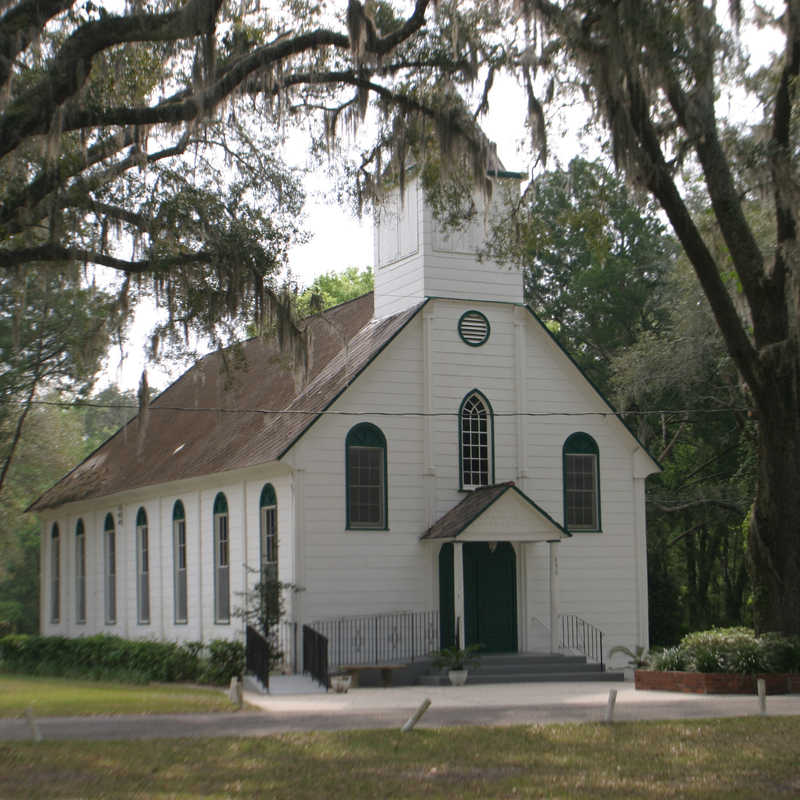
483 539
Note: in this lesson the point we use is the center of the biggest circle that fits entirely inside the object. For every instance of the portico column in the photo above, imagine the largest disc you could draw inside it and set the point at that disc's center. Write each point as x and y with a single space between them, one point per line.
555 633
458 591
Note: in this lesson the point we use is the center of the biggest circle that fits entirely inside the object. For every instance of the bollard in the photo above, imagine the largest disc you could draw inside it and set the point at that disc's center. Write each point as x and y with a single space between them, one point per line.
415 717
612 701
762 695
235 692
37 734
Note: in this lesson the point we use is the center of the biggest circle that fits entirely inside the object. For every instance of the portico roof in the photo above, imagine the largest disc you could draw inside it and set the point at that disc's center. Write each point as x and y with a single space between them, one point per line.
501 512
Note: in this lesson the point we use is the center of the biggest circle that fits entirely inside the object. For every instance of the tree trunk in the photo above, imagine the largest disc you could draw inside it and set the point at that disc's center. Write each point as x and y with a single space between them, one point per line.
774 536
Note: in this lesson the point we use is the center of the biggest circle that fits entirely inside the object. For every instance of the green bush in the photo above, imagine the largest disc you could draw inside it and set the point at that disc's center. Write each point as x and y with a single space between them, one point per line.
736 650
100 657
671 659
225 660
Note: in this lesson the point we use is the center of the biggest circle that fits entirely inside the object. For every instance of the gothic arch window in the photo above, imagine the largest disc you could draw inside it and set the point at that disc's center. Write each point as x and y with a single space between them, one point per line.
142 568
476 441
222 579
110 557
55 574
179 574
581 483
367 496
80 572
268 529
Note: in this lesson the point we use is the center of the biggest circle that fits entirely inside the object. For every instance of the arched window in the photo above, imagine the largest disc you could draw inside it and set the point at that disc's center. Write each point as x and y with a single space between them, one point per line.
366 477
268 515
581 483
142 568
110 553
80 573
179 585
55 574
476 443
222 584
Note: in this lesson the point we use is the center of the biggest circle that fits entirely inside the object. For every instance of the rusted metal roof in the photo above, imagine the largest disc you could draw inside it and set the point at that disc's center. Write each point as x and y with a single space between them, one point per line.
216 418
461 516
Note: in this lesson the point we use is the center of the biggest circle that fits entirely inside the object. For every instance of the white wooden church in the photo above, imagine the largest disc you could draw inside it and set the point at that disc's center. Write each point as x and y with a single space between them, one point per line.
441 464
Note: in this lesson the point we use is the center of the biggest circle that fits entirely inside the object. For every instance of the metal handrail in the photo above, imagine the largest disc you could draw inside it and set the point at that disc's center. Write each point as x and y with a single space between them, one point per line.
394 638
578 634
315 656
257 655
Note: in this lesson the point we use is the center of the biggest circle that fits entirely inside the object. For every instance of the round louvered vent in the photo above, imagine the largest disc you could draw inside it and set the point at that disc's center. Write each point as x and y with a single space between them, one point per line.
473 328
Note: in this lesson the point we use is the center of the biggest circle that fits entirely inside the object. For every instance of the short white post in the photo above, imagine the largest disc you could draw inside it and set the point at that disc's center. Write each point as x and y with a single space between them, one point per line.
555 613
235 692
415 717
37 734
762 695
612 701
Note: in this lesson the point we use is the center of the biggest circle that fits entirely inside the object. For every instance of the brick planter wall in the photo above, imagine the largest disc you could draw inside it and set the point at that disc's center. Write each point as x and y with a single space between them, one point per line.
714 682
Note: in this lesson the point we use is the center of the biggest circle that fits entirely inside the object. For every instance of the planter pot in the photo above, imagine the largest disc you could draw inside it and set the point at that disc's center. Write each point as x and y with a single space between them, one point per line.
458 677
713 682
341 683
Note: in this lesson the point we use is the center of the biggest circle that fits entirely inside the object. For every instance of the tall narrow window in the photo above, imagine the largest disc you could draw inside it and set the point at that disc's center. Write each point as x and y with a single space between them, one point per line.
366 477
581 483
110 548
80 573
179 562
222 586
142 568
55 574
475 441
268 507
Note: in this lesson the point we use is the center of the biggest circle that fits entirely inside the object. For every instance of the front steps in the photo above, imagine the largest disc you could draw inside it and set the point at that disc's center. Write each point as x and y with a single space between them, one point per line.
526 668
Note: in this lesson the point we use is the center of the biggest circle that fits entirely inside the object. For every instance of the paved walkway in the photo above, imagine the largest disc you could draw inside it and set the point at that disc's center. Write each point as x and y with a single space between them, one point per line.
497 704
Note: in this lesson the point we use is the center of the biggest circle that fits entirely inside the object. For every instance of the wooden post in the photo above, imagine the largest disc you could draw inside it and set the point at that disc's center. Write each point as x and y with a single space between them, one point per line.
458 591
612 701
415 717
555 613
37 734
762 696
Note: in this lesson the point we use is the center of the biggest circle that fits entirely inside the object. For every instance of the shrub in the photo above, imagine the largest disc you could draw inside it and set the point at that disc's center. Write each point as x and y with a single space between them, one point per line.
671 659
99 657
225 661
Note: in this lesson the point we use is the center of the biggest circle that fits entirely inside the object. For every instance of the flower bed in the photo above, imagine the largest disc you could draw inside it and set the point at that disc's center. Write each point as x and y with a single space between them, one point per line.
715 682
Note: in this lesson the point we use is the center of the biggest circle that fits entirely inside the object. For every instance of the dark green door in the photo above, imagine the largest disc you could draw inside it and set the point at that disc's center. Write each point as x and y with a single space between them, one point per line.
490 596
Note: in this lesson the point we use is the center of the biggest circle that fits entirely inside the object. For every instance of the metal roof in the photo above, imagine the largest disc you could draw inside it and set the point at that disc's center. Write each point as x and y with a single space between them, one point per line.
212 419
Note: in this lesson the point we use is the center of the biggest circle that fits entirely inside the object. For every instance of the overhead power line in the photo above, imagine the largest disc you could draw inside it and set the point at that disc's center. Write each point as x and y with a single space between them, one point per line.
364 412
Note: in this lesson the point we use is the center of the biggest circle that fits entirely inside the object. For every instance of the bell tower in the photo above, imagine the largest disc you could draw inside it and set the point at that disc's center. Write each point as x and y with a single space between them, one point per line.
415 258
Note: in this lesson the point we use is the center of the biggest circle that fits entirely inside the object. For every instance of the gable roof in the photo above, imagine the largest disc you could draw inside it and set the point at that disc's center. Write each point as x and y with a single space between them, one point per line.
214 419
477 502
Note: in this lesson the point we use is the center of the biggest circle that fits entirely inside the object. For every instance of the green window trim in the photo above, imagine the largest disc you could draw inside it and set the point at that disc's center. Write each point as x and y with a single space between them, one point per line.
268 532
367 440
110 569
142 568
474 328
180 608
55 575
222 557
80 573
580 450
462 455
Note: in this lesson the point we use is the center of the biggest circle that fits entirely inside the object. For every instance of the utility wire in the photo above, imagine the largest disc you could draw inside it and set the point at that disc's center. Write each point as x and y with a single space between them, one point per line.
330 412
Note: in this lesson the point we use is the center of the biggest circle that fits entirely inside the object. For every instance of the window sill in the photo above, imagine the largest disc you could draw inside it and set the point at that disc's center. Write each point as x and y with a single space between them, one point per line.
367 530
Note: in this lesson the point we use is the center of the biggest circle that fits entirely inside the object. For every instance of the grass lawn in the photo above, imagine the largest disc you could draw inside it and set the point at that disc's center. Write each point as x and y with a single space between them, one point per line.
746 757
61 697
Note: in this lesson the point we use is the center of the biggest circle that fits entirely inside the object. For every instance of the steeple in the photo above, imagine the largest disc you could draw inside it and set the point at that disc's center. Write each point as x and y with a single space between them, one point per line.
415 258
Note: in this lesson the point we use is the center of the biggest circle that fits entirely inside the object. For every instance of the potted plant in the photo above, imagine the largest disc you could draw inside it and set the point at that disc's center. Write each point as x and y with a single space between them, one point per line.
637 659
341 682
456 660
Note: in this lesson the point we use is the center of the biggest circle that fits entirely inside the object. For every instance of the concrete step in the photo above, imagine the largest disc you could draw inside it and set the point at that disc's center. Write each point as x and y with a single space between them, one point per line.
535 667
542 677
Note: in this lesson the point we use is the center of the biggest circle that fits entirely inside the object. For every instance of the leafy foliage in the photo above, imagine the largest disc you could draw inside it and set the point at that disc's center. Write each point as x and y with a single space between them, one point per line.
332 288
104 657
736 650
